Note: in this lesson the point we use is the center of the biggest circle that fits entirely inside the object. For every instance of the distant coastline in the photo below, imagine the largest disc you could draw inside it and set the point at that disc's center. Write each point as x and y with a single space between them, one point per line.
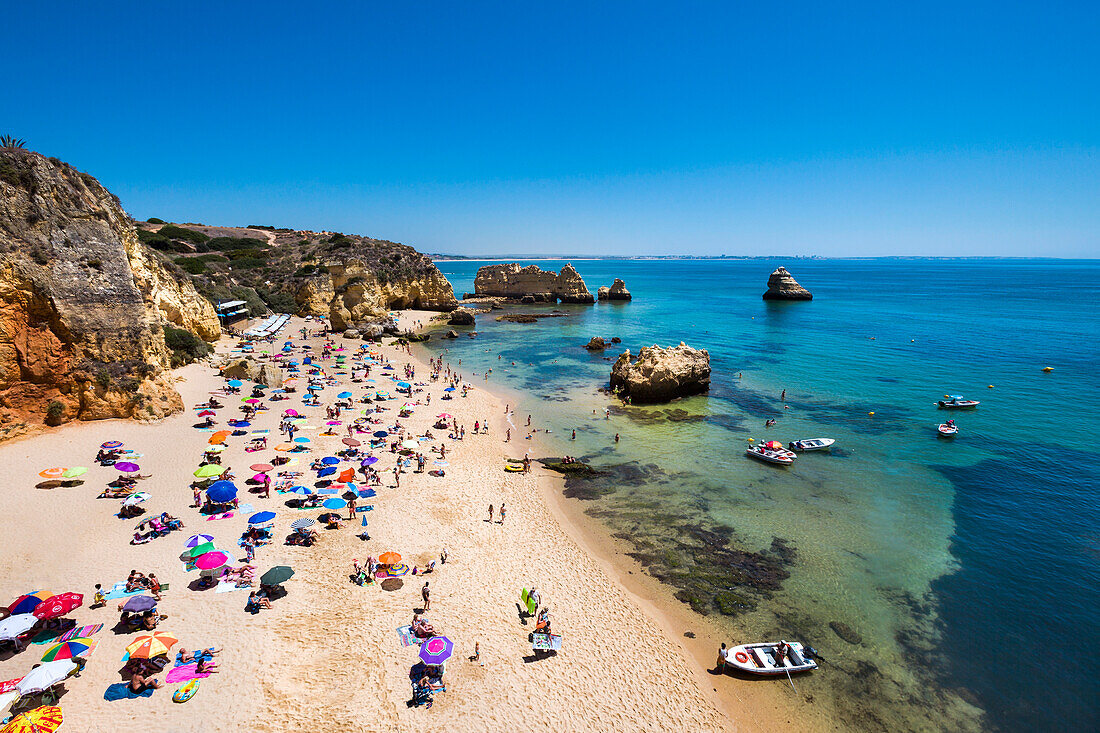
439 257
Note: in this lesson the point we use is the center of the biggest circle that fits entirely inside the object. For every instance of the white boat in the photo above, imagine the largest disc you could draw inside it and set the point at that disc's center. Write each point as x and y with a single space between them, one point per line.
767 455
760 658
954 401
948 429
811 444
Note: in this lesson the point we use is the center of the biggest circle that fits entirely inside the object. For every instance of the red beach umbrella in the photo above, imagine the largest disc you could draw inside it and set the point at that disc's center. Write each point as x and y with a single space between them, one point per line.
352 442
58 605
261 467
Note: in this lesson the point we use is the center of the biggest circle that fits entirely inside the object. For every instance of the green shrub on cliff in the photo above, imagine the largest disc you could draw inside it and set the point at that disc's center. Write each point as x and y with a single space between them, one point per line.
54 411
184 345
192 265
155 220
171 231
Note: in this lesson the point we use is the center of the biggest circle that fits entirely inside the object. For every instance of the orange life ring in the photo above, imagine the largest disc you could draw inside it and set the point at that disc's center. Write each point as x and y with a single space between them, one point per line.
741 657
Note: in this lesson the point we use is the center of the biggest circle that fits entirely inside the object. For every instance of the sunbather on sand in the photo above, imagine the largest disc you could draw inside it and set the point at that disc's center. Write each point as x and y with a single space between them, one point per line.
139 683
421 628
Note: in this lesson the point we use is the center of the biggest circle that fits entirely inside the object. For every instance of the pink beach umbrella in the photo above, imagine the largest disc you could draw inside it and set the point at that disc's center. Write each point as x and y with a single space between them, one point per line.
293 413
211 560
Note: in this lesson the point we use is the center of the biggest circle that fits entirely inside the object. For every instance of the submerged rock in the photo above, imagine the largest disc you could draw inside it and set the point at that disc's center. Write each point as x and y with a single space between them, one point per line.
782 286
661 374
846 632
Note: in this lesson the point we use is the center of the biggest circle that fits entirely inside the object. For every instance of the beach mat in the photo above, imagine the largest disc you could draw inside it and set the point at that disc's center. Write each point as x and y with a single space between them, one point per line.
118 590
122 691
81 632
546 642
407 637
226 586
184 674
215 517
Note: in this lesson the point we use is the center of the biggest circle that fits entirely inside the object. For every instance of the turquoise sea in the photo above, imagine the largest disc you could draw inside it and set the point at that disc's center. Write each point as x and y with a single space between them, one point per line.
948 584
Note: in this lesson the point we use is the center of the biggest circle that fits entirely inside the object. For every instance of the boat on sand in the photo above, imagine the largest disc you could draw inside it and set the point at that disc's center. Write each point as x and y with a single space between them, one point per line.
760 658
809 444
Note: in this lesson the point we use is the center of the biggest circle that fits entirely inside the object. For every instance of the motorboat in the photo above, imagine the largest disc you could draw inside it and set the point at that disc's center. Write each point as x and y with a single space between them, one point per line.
767 455
811 444
954 401
948 429
760 658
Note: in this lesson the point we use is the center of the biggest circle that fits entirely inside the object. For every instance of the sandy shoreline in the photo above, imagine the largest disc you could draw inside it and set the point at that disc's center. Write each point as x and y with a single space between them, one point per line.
328 652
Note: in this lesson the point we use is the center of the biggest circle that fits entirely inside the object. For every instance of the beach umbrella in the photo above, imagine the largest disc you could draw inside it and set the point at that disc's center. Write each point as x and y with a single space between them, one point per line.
368 461
28 602
292 413
196 540
127 467
302 523
211 560
55 472
136 499
250 400
69 649
207 413
300 490
45 676
151 645
351 442
241 424
436 650
389 558
403 385
398 569
137 604
210 471
445 415
333 423
45 719
200 550
284 447
343 395
326 471
216 448
380 434
58 605
111 444
222 492
17 624
74 472
330 460
302 439
277 575
261 517
258 478
449 389
346 475
335 503
235 383
410 445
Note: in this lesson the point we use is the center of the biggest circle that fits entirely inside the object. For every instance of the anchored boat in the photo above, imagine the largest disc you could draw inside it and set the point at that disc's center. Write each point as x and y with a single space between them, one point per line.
948 429
761 658
811 444
954 401
768 455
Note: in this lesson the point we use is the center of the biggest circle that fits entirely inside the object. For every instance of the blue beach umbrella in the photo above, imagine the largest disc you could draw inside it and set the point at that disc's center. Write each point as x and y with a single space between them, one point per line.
241 424
221 492
299 490
234 383
327 471
330 460
403 385
261 517
380 434
368 461
343 395
449 389
301 440
334 503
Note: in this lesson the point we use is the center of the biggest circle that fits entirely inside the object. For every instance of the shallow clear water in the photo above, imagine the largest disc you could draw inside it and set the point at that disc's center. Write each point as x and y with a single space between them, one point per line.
953 562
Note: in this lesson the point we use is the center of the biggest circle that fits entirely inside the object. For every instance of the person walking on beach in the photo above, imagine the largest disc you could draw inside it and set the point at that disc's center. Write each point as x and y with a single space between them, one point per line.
490 514
507 435
425 593
723 658
351 508
502 513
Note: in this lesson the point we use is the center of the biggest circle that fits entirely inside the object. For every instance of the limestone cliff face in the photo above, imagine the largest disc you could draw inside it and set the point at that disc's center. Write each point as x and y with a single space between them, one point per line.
532 284
76 329
351 294
661 375
783 286
175 297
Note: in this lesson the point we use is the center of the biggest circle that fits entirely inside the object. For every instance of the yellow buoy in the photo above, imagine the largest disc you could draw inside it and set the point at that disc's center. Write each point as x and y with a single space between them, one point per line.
1048 369
871 413
991 386
751 439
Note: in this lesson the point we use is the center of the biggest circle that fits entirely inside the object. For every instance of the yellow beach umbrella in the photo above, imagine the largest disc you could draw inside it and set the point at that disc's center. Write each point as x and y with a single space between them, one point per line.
45 719
209 471
151 645
74 472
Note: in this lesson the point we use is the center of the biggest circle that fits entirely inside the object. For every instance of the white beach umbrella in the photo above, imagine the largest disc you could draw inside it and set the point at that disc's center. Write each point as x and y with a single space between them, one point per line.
13 626
45 676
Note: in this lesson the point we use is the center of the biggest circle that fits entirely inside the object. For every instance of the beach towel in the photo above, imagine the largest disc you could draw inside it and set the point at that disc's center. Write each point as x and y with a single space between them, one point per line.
366 508
246 509
213 517
81 632
183 674
122 691
118 590
226 586
407 637
545 642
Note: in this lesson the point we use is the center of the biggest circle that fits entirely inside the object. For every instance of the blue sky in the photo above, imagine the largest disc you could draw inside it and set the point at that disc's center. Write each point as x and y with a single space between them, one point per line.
603 128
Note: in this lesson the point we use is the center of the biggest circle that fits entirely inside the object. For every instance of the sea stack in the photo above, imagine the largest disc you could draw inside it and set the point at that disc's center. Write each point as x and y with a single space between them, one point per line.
531 284
617 291
782 286
661 374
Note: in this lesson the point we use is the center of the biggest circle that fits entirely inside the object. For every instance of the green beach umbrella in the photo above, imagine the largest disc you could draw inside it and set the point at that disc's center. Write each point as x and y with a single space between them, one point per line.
209 471
74 472
201 549
277 575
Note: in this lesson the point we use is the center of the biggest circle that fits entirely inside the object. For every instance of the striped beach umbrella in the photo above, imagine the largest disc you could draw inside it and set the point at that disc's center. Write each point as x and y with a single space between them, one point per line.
28 602
69 649
55 472
111 444
436 650
151 645
302 523
198 539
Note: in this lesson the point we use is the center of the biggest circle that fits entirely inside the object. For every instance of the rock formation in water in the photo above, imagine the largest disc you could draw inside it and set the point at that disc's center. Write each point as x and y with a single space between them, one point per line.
531 284
461 317
596 343
661 374
83 304
782 286
617 291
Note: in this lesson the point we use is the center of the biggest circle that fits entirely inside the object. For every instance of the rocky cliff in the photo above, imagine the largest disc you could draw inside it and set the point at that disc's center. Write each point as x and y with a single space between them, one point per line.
661 375
532 284
82 303
782 286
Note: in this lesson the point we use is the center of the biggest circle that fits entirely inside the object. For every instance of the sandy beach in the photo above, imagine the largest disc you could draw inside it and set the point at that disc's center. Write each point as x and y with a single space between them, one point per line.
328 653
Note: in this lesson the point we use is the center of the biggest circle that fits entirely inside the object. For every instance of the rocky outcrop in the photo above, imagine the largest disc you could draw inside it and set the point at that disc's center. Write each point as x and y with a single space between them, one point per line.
617 291
461 317
175 297
82 303
266 373
350 294
661 374
782 286
531 284
596 343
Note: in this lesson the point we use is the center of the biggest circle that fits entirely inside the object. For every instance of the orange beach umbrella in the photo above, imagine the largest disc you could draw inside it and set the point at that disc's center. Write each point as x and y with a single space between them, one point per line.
55 472
389 558
151 645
